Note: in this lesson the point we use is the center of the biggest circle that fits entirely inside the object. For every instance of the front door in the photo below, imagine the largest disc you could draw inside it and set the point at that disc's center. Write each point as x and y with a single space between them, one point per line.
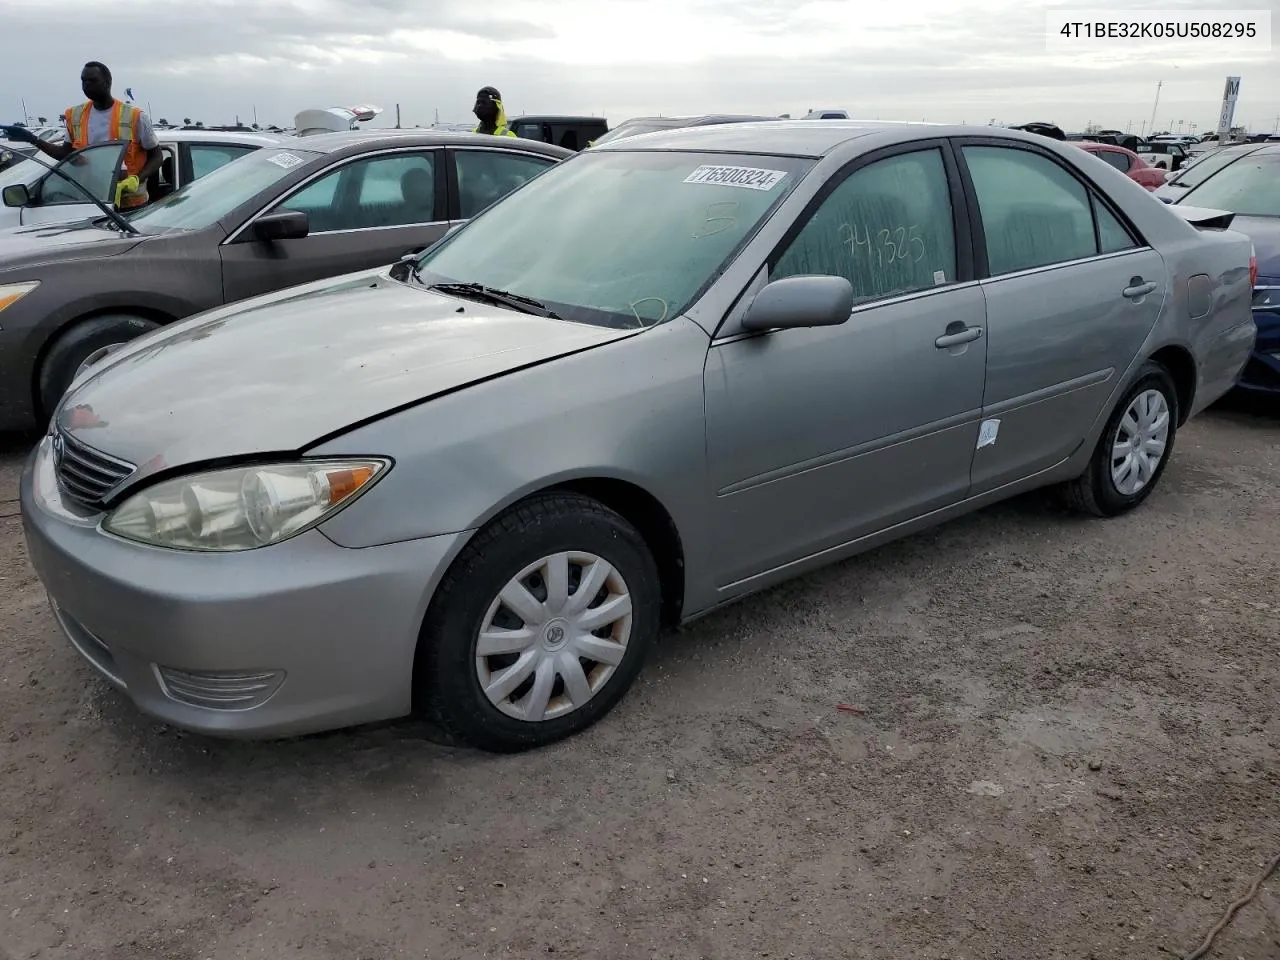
94 169
366 213
1072 293
819 436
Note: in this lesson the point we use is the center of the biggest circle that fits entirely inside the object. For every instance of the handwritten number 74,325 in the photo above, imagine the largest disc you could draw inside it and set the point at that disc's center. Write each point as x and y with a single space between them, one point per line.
904 243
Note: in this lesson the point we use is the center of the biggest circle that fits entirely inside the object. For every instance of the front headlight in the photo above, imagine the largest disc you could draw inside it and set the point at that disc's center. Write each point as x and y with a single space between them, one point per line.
242 508
11 293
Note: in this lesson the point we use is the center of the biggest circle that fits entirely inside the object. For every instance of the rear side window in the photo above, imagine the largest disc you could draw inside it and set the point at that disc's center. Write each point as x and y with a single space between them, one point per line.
207 158
887 228
1035 214
1115 158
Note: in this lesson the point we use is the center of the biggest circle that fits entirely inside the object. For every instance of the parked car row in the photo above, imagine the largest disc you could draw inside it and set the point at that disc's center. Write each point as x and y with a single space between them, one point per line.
655 377
277 216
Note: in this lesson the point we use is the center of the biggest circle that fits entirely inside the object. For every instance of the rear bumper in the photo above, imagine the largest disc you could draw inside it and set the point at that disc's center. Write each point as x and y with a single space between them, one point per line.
1262 373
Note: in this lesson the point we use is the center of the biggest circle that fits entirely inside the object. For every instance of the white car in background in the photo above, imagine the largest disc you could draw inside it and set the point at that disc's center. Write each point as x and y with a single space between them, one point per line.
49 198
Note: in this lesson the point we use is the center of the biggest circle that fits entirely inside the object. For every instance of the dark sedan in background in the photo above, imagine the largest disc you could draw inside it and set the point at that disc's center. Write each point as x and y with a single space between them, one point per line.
275 218
1246 181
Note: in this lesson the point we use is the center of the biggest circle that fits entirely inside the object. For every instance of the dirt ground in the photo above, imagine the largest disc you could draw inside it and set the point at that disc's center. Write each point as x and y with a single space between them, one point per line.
1069 750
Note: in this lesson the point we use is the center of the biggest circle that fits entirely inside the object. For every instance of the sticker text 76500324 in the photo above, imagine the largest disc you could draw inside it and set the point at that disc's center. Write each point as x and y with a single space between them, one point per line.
750 177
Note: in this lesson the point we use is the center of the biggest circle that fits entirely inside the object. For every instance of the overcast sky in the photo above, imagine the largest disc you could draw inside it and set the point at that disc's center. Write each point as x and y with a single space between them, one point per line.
937 60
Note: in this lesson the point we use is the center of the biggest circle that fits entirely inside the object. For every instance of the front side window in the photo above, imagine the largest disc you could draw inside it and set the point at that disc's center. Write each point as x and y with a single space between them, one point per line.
1250 187
1034 213
887 228
206 158
618 238
486 176
94 168
202 203
391 191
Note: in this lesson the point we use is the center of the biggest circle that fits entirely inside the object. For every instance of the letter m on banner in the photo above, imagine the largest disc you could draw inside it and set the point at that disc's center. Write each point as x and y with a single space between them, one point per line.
1230 94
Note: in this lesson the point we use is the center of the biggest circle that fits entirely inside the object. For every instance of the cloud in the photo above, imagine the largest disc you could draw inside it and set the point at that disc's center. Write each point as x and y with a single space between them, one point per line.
934 59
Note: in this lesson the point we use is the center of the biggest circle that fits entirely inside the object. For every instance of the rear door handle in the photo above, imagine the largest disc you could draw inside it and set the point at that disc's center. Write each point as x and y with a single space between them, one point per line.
962 336
1138 288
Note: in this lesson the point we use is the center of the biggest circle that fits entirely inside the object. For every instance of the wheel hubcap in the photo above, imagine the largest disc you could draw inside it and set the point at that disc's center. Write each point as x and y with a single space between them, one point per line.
1140 442
553 636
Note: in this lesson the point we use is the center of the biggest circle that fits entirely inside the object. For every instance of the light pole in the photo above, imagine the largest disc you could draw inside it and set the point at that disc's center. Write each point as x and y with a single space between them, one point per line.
1155 105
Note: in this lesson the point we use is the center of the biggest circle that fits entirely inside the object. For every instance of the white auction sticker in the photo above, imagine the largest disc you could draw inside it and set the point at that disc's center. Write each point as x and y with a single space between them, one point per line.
286 160
750 177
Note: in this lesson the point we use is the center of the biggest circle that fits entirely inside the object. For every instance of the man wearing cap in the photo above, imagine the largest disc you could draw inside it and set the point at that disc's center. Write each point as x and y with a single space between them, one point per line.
489 111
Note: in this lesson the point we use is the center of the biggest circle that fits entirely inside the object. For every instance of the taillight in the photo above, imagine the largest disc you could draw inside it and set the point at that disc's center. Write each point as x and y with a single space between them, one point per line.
1253 267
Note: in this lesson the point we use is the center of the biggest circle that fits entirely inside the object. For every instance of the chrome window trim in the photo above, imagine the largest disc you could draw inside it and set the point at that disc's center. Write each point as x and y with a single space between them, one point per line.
867 306
324 172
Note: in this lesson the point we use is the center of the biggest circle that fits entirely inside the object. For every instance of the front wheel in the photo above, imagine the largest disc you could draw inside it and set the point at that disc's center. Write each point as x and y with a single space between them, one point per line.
1134 447
540 626
79 345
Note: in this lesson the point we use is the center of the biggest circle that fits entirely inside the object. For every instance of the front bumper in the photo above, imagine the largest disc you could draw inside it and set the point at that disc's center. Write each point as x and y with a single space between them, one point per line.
1262 373
290 639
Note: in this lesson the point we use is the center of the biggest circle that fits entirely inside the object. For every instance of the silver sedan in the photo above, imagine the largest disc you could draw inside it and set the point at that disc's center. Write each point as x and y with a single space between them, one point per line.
665 374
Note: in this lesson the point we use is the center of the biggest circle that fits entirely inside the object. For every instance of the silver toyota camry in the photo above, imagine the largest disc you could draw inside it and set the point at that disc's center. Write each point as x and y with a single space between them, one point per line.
665 374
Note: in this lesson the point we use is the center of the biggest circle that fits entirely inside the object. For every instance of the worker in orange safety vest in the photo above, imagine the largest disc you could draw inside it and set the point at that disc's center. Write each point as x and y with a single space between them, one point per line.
103 118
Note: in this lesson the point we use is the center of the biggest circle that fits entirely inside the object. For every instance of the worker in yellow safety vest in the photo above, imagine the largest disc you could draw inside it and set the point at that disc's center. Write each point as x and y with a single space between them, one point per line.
489 111
101 119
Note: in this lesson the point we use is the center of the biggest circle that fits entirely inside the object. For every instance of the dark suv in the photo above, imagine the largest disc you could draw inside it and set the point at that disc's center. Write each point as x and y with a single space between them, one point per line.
573 133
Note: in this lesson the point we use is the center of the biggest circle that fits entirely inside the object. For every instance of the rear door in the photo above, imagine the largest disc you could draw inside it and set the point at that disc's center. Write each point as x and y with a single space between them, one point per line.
1072 290
95 168
365 212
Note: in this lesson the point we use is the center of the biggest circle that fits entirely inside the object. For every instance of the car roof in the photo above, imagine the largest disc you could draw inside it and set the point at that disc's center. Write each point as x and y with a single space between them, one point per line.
359 140
797 138
555 118
222 136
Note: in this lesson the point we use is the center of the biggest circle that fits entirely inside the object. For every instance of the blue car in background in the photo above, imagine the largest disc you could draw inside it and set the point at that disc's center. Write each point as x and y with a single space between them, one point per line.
1245 180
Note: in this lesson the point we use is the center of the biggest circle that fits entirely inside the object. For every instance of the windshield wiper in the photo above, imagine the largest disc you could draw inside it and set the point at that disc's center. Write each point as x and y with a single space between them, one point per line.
121 223
478 291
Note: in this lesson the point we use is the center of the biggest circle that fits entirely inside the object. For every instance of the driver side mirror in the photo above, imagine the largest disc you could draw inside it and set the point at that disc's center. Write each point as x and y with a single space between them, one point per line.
284 225
806 301
17 195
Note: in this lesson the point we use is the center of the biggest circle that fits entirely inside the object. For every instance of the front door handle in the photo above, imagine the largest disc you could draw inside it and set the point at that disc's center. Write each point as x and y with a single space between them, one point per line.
959 335
1138 288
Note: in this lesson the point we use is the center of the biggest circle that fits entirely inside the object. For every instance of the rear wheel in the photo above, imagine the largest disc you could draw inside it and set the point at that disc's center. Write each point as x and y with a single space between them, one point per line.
540 626
1134 447
75 347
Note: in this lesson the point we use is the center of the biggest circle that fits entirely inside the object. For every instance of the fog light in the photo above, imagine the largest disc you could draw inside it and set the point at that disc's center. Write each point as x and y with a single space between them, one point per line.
220 690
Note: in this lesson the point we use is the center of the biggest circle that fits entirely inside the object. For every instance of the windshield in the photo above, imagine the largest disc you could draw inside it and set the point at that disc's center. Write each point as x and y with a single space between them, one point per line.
25 172
631 129
1206 167
202 203
618 238
1250 187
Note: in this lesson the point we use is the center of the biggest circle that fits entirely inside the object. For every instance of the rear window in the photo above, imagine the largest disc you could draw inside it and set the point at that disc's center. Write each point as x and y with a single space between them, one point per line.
1250 187
1205 168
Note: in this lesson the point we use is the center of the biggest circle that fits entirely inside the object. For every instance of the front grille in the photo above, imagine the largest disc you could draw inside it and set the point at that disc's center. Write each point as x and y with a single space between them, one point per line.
1266 298
222 690
84 474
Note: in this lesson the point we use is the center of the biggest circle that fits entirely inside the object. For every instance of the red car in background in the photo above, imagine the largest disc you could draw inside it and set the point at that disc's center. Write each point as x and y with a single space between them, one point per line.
1126 161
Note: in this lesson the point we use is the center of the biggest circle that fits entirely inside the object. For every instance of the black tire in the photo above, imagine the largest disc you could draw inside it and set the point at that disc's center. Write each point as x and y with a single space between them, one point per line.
447 689
1094 491
74 346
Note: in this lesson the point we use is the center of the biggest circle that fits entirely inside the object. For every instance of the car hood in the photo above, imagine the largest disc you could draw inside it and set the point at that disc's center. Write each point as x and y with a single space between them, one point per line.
274 377
28 246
